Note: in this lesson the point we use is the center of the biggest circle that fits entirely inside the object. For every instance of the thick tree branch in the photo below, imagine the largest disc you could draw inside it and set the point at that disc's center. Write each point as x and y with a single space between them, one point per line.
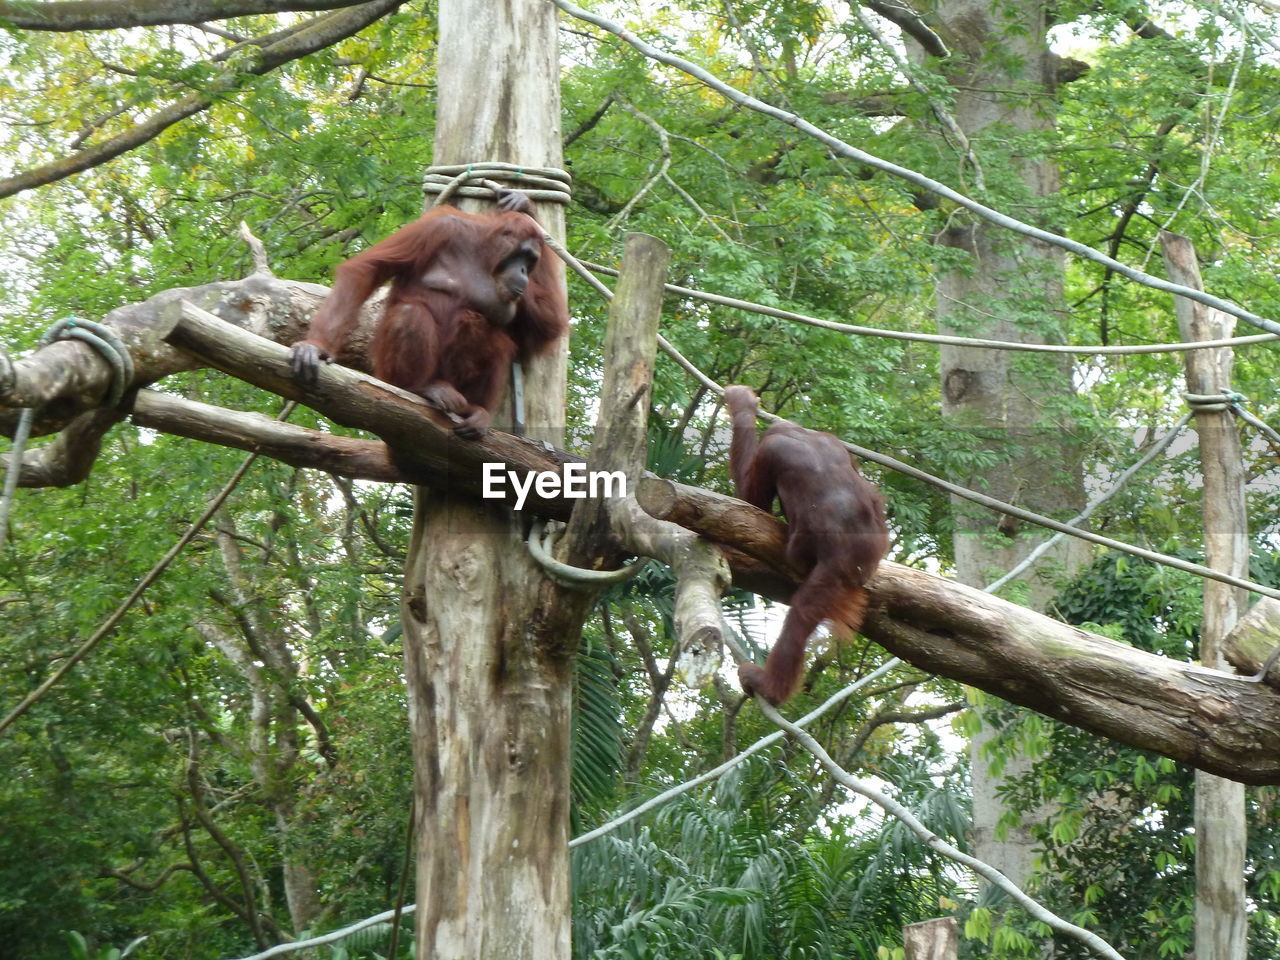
1223 724
69 457
911 23
118 14
422 439
67 378
887 717
1215 721
351 457
271 52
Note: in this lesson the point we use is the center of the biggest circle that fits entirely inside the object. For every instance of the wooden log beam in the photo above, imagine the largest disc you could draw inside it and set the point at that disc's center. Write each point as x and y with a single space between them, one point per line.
1209 719
1215 721
421 439
353 457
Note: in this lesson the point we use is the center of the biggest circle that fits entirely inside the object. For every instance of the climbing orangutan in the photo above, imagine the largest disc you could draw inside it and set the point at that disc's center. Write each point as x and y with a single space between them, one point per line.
836 530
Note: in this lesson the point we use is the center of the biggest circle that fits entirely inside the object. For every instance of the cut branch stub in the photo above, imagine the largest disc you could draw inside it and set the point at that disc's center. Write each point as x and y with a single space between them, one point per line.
1254 639
723 519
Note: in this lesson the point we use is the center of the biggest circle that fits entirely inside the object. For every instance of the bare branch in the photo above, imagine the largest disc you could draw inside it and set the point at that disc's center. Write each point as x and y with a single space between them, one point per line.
588 124
261 263
884 718
143 885
911 23
350 457
69 457
274 51
116 14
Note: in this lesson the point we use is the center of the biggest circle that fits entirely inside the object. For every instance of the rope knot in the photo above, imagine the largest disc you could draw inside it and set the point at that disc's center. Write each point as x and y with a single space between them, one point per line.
108 345
542 184
1212 402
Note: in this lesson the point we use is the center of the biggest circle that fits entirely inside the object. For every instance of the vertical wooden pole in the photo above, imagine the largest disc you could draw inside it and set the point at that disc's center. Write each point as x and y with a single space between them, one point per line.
626 390
1221 926
489 689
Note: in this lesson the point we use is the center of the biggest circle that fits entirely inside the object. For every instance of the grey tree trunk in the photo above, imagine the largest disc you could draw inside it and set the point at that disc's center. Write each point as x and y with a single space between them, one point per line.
489 696
1013 291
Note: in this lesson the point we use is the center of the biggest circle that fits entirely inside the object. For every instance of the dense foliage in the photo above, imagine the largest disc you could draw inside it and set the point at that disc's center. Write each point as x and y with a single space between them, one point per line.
241 739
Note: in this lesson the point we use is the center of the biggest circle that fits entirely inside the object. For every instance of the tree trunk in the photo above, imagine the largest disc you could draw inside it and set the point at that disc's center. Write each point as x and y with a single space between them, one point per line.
489 697
1013 291
1221 923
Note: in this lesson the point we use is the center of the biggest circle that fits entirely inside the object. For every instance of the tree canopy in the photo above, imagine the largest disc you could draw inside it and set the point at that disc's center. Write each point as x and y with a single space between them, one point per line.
229 769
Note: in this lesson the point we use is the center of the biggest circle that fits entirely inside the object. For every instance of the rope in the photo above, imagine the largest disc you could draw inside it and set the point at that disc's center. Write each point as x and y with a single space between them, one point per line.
892 463
332 936
1212 402
903 815
544 184
1262 427
13 465
764 742
838 146
110 623
930 839
1158 448
1230 400
109 346
542 538
944 339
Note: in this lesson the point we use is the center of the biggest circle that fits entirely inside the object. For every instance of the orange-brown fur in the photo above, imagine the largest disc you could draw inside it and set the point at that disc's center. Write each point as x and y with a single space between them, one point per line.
836 530
469 293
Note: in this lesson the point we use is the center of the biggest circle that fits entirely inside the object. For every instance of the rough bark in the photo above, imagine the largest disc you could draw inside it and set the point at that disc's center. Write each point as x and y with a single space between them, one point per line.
421 438
488 649
1206 718
67 378
1253 646
930 940
1221 931
626 391
1003 397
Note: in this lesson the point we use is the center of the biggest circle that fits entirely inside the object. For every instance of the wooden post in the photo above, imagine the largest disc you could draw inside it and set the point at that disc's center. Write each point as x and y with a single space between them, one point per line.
1221 925
630 348
489 684
930 940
